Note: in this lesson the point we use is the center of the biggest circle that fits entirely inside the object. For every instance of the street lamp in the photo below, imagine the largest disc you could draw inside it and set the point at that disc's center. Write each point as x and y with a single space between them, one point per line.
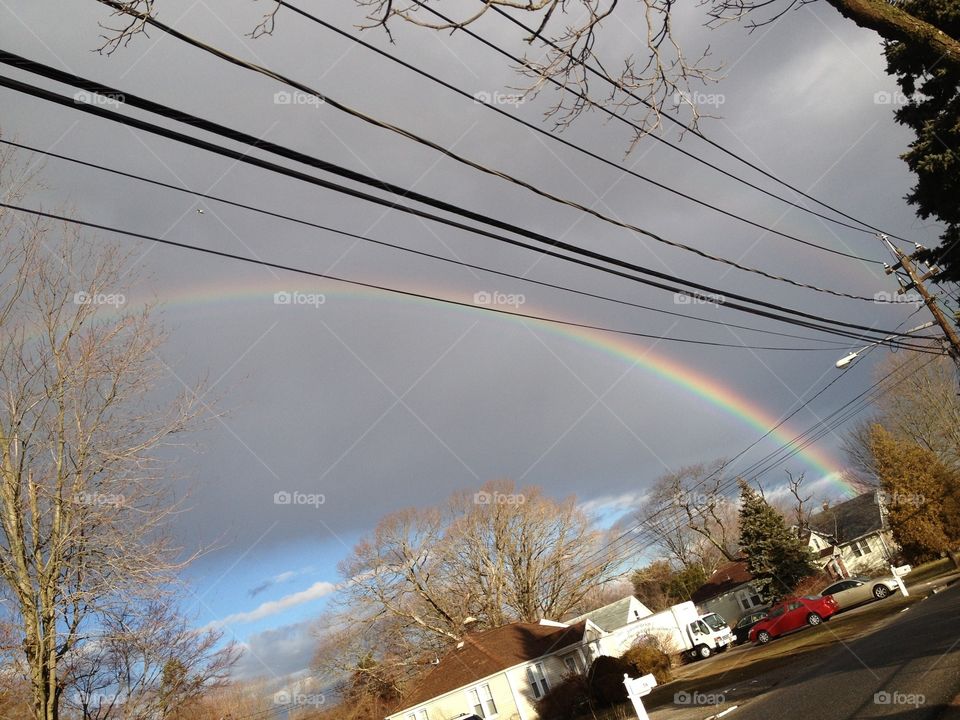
845 361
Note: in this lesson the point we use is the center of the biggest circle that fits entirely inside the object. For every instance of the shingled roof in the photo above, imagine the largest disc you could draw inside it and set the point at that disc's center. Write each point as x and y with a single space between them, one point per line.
724 579
486 653
849 520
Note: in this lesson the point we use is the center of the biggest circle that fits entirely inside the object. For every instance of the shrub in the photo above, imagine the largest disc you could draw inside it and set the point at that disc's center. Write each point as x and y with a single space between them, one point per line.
565 700
646 656
605 681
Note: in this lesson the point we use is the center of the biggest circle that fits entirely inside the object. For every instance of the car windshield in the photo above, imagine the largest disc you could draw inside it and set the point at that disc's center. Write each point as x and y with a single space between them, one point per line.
714 621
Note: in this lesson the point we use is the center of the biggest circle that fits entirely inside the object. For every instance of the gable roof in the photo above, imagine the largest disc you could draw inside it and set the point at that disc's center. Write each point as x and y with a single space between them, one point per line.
724 579
486 653
615 615
851 519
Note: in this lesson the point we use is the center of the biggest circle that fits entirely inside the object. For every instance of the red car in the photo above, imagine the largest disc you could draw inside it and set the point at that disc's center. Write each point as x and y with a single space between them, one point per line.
793 614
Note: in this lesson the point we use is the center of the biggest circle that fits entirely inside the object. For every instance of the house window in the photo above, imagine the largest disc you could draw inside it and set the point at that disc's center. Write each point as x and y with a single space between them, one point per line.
573 664
748 599
420 714
861 547
481 700
538 680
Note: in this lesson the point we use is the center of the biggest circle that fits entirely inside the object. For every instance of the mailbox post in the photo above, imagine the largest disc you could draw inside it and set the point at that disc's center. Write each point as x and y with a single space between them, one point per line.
898 573
638 688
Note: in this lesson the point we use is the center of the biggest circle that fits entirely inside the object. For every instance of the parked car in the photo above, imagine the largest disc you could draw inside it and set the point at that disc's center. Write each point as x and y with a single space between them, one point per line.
860 589
741 631
793 614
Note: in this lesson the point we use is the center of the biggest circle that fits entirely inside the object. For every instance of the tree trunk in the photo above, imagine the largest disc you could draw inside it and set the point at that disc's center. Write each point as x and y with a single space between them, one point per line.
892 23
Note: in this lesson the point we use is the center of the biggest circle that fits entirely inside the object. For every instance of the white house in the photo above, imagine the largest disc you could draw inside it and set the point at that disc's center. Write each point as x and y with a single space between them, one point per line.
499 674
853 537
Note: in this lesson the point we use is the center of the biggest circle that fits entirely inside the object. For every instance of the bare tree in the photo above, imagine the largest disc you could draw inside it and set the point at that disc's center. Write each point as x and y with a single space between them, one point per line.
918 403
83 509
147 663
427 576
692 519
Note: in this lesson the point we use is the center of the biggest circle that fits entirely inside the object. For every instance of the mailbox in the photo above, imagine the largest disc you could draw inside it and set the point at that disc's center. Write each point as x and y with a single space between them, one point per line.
638 688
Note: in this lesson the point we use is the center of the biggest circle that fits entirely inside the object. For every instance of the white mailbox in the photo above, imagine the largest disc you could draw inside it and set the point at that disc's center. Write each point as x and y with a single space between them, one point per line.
638 688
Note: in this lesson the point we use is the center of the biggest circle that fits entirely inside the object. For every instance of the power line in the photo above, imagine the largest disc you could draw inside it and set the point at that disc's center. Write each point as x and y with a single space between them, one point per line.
691 130
447 152
374 286
537 129
402 248
245 157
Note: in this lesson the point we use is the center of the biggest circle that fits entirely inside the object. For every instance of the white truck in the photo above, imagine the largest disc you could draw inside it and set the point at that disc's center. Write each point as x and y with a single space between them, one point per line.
679 630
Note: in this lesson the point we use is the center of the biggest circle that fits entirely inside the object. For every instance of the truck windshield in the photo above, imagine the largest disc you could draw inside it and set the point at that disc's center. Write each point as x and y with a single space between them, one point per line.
714 621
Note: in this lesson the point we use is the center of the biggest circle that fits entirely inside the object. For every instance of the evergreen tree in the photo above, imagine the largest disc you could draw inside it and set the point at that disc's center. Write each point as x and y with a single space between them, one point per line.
775 557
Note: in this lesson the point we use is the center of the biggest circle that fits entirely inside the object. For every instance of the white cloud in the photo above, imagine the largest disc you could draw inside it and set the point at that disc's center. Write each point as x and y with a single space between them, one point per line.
273 607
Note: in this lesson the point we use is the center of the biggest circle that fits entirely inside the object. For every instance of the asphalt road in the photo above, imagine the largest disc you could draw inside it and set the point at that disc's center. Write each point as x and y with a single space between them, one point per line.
909 670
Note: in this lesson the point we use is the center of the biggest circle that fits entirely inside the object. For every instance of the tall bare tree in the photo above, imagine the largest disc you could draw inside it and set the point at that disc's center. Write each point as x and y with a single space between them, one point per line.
692 518
427 576
83 506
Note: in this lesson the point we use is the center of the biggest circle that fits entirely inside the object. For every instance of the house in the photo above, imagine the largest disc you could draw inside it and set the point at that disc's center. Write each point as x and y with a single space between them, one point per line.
617 614
853 537
501 672
728 591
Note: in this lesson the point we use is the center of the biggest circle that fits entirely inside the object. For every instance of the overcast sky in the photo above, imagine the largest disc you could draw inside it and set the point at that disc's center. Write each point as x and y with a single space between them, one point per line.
377 402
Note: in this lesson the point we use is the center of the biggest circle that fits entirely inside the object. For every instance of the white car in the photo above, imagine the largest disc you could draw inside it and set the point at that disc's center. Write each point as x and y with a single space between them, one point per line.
859 589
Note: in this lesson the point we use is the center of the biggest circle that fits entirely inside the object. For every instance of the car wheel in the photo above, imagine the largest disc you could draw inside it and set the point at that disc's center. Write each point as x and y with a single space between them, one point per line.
703 652
814 619
881 591
763 637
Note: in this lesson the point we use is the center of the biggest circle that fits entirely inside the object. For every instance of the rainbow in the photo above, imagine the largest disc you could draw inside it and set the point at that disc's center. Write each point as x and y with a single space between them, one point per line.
697 384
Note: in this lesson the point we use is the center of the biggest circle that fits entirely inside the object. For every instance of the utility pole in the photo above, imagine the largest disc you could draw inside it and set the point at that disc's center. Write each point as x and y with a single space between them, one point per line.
905 262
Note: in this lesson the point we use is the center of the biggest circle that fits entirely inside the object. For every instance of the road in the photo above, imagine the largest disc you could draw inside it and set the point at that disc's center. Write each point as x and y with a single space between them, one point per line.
909 670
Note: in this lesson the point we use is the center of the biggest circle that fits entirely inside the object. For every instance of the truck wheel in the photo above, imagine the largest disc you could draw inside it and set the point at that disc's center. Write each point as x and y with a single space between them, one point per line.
763 637
814 619
881 591
703 652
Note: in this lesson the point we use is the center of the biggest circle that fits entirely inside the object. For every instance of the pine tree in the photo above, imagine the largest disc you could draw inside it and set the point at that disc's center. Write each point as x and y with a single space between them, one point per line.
776 558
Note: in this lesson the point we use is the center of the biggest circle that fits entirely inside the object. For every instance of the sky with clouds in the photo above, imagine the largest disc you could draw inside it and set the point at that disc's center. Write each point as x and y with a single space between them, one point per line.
360 402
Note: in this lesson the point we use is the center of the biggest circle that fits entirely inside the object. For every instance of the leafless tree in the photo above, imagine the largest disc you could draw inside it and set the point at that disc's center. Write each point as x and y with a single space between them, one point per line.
427 576
83 508
692 519
918 402
146 663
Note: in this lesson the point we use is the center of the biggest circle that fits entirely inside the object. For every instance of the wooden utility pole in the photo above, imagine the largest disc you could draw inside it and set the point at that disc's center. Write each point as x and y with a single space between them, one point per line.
905 262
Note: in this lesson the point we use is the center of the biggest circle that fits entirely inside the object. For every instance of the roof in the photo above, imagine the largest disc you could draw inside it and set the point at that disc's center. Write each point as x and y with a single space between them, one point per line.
722 580
486 653
851 519
613 616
